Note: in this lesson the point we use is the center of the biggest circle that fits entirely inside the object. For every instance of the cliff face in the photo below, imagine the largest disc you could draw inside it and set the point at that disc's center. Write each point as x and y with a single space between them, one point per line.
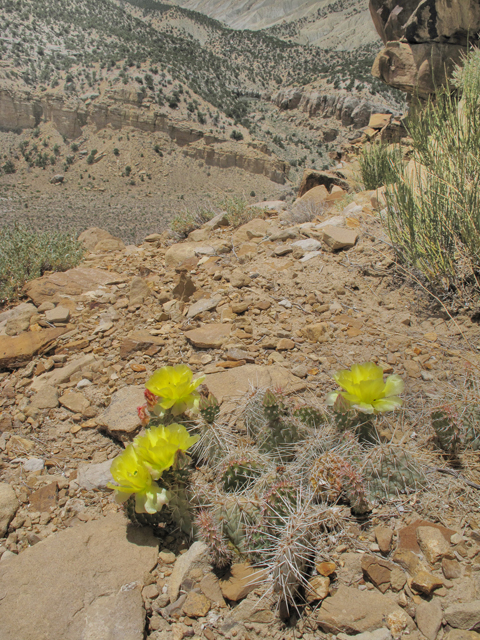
346 108
423 40
24 110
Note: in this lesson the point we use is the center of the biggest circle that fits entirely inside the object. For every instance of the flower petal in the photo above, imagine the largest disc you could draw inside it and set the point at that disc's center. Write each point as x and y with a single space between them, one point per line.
394 386
366 371
331 398
388 404
364 407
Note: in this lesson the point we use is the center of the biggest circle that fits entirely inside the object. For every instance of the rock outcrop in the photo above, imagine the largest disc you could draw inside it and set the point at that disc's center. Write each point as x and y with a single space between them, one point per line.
424 40
26 110
344 107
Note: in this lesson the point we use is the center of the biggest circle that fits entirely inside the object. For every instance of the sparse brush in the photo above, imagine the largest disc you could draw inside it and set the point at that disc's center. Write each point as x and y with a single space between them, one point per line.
378 162
390 471
188 220
238 211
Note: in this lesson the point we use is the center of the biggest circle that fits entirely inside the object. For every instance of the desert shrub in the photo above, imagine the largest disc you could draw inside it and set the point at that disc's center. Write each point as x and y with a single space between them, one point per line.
434 204
26 254
188 220
74 147
9 167
378 163
238 211
236 135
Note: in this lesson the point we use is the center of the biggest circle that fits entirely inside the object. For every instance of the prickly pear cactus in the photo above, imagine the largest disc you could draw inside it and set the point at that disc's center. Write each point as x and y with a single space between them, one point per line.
239 473
333 478
271 424
310 416
210 532
350 420
235 514
448 429
209 408
391 471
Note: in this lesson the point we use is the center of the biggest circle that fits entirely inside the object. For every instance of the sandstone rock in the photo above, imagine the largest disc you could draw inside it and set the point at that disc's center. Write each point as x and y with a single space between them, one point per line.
428 617
196 605
139 292
460 634
220 220
312 178
379 572
16 320
336 238
57 179
184 288
197 557
315 332
318 588
73 282
8 506
464 615
180 253
378 634
309 244
425 582
94 236
210 587
316 196
379 120
239 279
242 579
236 382
407 537
353 611
17 351
326 568
75 401
383 536
45 498
433 544
33 464
452 569
285 344
109 244
46 399
57 315
167 557
63 374
94 476
205 304
121 417
210 336
257 225
91 570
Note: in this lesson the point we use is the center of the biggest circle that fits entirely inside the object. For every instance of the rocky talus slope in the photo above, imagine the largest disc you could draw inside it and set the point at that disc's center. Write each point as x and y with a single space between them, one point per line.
276 302
423 41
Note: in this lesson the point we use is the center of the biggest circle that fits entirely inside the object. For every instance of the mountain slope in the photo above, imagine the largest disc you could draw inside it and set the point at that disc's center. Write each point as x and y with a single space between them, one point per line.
330 24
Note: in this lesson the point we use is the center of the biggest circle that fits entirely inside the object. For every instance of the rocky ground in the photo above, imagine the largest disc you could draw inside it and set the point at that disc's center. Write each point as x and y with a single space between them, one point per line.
275 302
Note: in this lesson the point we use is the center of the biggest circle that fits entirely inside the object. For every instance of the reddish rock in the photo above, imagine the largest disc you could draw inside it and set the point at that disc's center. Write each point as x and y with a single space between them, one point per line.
45 498
18 350
407 537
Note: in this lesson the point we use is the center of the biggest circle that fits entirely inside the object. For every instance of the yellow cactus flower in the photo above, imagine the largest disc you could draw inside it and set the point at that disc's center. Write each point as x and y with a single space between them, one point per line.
175 389
134 479
364 389
158 447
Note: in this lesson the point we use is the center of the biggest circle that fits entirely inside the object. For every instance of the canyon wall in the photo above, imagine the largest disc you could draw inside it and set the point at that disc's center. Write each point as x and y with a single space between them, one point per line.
24 110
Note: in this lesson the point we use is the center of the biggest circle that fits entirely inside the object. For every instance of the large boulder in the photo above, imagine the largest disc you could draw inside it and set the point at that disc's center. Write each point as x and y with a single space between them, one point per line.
84 582
423 40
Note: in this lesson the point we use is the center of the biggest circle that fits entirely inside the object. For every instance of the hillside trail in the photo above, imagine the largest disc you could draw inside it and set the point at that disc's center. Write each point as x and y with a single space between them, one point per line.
273 302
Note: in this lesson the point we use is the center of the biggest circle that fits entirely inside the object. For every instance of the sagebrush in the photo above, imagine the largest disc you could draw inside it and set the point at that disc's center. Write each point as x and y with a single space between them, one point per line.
26 254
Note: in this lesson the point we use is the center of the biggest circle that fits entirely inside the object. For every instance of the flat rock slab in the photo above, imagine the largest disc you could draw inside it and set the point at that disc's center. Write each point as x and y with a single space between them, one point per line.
121 417
182 252
78 584
205 304
407 537
58 376
73 282
8 506
94 476
17 351
236 382
210 336
353 611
